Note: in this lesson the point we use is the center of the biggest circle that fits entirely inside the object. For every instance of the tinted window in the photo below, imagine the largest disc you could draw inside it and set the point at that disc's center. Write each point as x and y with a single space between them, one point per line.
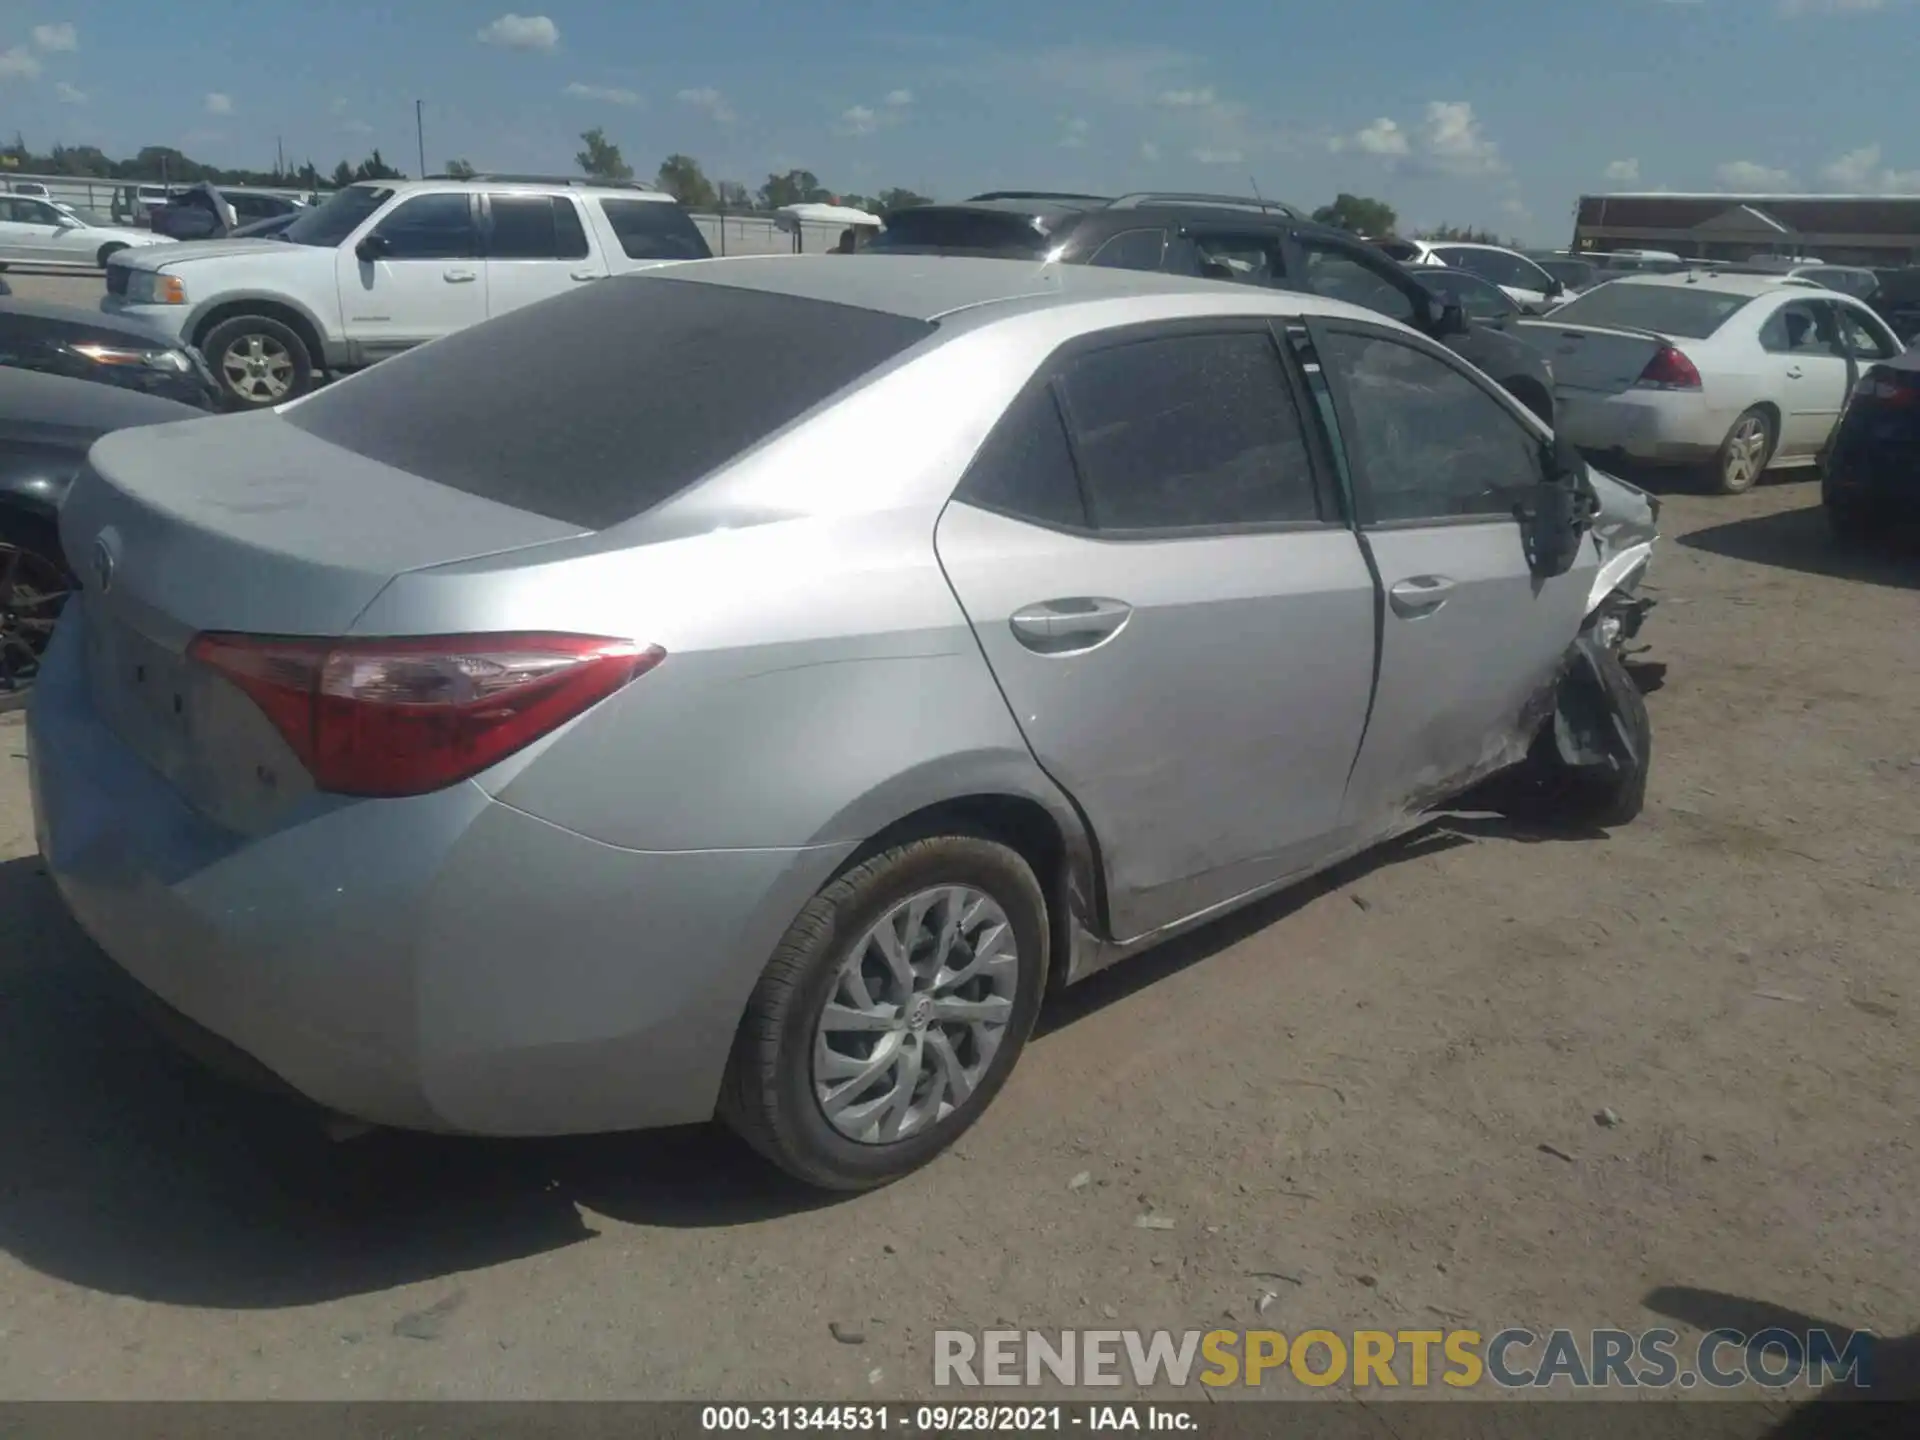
533 227
1691 312
596 405
1865 337
1189 430
1335 273
338 216
430 227
938 227
1431 443
30 212
1802 328
1495 265
1132 250
655 230
1249 259
1480 299
1026 468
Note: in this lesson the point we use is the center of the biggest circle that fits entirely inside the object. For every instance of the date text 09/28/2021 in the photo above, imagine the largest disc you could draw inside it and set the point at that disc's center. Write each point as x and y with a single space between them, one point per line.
957 1419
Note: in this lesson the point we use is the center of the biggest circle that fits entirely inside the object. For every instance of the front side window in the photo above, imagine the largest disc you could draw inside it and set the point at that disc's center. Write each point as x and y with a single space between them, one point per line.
1332 272
334 219
1802 328
655 230
1430 442
1865 336
431 227
1132 250
1187 431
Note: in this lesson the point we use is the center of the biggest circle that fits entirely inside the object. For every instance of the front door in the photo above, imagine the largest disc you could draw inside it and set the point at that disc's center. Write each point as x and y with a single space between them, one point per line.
429 281
30 230
1810 373
1182 629
536 249
1472 639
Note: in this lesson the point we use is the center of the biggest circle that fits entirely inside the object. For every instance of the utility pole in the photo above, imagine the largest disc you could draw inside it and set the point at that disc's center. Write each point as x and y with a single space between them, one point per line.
279 159
420 130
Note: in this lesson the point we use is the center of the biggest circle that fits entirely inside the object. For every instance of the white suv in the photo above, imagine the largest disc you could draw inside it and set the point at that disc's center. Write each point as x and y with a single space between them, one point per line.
385 265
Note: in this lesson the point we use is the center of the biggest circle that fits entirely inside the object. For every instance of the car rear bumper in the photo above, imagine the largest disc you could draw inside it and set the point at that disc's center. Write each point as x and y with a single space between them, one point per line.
1651 426
441 963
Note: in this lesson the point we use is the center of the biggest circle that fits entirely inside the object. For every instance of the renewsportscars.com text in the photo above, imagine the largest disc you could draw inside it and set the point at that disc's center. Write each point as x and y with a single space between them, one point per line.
1511 1359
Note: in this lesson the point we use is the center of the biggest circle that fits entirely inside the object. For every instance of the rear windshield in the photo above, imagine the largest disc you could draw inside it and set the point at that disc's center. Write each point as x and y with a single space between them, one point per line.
934 227
596 406
1693 313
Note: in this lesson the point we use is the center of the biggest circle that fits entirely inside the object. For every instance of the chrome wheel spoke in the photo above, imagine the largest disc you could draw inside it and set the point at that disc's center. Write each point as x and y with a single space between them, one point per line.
994 1010
955 1084
843 1019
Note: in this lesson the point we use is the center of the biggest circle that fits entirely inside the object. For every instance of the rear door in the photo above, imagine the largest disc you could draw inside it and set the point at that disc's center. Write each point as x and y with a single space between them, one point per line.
1471 637
430 281
536 247
1812 373
1180 622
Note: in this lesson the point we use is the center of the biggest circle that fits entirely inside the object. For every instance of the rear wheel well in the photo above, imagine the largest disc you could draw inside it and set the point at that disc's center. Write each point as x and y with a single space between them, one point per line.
1772 412
1023 826
272 310
1532 394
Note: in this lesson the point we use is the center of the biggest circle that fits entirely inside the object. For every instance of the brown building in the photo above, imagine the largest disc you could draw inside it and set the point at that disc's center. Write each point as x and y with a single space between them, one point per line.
1840 229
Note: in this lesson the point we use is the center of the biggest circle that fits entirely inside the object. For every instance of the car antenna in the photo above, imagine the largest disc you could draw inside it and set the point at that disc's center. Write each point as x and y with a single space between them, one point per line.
1256 192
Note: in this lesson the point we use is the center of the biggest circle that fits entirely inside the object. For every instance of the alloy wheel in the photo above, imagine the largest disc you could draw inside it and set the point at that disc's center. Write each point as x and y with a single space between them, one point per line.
917 1011
1746 453
257 368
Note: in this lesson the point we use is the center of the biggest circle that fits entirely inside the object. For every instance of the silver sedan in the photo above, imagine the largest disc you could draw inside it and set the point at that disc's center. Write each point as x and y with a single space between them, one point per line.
745 688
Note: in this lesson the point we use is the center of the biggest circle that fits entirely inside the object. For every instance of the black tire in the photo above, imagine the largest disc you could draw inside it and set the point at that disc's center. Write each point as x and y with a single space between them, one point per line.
108 251
1594 795
1732 479
30 562
241 331
768 1097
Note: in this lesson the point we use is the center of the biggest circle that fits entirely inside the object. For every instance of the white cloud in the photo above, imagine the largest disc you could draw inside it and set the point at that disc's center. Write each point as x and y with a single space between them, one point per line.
1900 182
18 64
1750 175
1207 156
1516 207
56 37
898 99
857 120
1453 139
1149 150
520 32
1855 169
712 102
1831 7
611 94
218 104
1074 136
1623 172
70 94
1383 137
1198 99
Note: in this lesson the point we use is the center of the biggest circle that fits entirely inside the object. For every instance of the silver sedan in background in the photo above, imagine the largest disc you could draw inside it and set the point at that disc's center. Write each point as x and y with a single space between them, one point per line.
747 687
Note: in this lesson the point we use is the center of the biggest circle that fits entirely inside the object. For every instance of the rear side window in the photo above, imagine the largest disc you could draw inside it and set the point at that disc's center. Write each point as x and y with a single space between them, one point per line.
1189 431
937 227
599 404
534 227
655 230
1132 250
1026 467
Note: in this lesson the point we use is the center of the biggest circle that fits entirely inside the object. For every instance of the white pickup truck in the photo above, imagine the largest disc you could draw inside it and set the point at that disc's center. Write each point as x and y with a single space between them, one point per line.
384 265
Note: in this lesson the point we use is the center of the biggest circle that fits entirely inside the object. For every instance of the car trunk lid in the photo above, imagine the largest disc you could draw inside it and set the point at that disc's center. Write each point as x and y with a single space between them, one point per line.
243 524
1591 358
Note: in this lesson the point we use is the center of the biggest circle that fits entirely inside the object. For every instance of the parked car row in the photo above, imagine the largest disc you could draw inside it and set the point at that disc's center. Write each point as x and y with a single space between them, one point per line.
628 766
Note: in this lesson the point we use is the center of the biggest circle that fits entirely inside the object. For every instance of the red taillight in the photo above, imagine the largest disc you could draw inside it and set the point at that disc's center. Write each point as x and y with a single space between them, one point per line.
1670 370
406 716
1889 388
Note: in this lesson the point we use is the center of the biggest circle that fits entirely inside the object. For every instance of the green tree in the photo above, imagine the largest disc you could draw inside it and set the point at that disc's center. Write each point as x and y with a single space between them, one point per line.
1464 234
732 195
681 177
460 170
796 187
342 175
374 167
601 159
896 197
1359 214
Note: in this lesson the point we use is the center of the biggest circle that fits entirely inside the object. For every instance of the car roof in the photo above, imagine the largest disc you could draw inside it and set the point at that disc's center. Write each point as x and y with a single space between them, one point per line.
931 287
1474 245
1750 285
626 189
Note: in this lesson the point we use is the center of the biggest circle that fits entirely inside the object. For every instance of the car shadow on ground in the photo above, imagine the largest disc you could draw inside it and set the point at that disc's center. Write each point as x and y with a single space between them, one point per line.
1890 1374
1801 540
127 1168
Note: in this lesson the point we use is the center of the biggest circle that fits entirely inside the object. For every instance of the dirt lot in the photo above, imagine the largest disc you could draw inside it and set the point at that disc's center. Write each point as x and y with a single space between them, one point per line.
1353 1087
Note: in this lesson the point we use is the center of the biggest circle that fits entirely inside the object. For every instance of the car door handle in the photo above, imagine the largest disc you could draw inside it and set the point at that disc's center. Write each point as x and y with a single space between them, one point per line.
1422 595
458 277
1080 623
584 275
1793 372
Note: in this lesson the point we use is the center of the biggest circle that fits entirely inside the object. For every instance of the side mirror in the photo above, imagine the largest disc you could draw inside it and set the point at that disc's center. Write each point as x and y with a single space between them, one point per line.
1452 321
372 247
1556 517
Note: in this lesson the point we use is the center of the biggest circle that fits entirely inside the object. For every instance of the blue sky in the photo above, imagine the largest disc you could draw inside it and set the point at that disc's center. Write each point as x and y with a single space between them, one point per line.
1497 113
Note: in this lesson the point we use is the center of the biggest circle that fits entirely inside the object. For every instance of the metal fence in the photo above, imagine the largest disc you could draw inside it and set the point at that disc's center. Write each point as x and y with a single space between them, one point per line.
730 233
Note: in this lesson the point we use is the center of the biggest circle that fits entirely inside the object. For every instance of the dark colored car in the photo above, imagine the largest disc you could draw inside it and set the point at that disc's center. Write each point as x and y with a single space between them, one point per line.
1251 241
207 213
1870 473
1570 272
1896 300
47 425
265 229
109 349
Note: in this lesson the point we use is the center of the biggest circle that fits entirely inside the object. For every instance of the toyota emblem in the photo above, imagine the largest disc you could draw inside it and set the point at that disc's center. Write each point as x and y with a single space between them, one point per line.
103 564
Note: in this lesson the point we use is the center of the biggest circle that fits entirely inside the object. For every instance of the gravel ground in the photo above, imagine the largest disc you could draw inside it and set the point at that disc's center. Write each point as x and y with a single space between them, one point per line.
1384 1088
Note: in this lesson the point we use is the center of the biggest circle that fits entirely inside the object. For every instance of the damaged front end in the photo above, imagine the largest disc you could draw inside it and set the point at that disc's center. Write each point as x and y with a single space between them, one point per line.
1625 527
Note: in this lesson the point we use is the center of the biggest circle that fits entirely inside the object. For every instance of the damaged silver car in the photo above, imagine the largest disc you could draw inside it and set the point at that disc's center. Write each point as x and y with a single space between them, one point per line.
747 689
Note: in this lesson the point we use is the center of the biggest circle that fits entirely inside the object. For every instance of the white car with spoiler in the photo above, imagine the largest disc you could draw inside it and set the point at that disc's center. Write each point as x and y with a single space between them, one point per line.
1741 372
